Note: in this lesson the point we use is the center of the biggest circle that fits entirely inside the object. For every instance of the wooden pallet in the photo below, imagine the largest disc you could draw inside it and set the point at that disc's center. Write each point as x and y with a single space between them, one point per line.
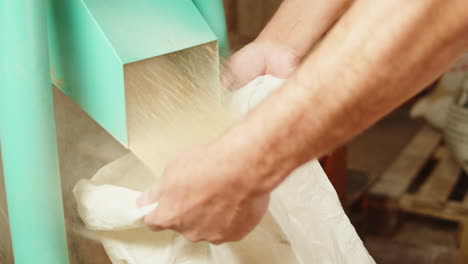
421 181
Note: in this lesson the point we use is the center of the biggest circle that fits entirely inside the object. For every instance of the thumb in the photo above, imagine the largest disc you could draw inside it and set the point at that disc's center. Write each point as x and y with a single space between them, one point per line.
149 196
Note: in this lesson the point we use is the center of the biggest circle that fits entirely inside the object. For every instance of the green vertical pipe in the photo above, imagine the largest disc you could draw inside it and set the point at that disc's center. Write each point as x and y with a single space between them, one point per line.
213 12
28 137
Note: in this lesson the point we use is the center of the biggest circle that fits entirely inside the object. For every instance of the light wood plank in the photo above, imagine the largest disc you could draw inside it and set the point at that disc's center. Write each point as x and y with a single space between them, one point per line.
438 186
453 211
465 201
456 207
397 178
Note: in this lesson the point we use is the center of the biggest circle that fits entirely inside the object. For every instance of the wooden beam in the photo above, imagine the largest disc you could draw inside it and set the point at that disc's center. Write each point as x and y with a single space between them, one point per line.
463 242
438 186
397 178
453 211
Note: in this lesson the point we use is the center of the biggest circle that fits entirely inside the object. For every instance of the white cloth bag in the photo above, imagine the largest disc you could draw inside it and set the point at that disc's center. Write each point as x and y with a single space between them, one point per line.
305 223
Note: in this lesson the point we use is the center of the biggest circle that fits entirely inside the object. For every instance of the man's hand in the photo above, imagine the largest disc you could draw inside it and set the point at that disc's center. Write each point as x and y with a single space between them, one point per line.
219 192
260 58
287 38
379 54
204 196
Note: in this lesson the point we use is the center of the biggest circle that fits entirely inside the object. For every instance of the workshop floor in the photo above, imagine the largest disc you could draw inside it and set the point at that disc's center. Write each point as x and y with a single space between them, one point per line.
417 239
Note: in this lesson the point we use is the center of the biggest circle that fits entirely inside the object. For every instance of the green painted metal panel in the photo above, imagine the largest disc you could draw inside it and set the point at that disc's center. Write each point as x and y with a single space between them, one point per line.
213 12
142 29
27 136
91 40
85 66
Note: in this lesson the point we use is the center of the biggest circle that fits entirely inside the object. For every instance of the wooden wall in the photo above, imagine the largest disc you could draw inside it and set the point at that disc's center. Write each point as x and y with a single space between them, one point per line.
246 19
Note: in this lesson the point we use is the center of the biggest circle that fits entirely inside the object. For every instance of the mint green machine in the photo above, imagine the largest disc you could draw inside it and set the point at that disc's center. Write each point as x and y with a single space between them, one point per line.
83 47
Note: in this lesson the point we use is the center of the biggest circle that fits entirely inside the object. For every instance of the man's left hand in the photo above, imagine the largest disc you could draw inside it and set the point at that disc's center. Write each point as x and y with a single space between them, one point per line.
206 196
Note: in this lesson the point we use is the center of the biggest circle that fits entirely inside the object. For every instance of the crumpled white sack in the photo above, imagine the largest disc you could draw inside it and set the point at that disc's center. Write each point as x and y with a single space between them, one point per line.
305 223
434 107
98 209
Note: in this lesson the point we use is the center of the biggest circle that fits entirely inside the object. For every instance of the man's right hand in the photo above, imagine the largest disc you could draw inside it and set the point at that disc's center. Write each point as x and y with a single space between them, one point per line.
290 34
259 58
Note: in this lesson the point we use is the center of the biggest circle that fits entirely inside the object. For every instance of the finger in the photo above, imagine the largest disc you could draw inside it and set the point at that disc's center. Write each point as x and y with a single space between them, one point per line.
162 218
220 239
218 242
193 237
152 226
282 66
142 200
149 196
243 67
155 223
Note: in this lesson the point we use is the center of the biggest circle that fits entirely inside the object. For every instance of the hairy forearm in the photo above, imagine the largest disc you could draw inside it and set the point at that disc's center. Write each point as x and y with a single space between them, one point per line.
298 24
377 56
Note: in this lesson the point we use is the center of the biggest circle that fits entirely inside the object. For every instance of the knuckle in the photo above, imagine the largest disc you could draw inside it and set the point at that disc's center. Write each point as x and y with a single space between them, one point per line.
217 237
154 227
159 225
193 237
224 238
218 242
148 221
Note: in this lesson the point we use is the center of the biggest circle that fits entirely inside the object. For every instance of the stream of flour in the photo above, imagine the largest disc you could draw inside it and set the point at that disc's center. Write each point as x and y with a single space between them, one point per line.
174 102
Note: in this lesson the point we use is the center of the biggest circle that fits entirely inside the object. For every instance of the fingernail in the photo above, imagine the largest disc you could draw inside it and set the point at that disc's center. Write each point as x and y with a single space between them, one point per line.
142 200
